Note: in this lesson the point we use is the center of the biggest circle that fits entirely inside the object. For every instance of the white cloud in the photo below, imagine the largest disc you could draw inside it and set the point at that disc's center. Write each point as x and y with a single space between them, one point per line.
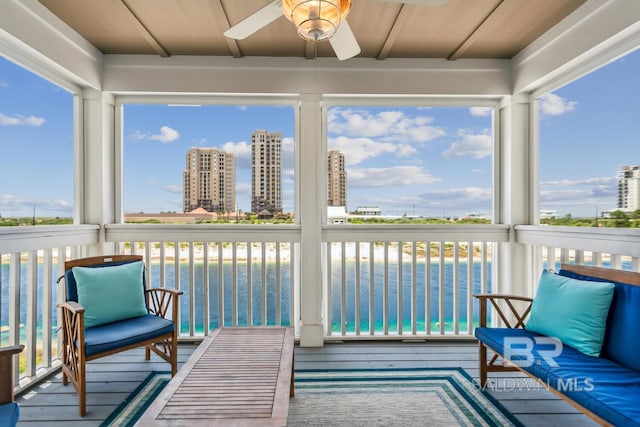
605 180
554 105
20 205
166 135
357 150
385 125
480 111
241 151
470 145
19 120
243 188
172 188
387 177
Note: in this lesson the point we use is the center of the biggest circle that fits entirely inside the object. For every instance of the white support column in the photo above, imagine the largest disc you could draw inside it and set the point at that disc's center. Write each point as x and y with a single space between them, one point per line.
98 166
514 272
310 207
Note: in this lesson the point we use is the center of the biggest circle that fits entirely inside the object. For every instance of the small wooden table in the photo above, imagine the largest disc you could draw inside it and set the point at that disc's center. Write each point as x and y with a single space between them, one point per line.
238 376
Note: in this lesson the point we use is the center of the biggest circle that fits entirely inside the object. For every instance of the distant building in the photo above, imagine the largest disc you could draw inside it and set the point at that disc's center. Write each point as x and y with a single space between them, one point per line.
548 214
629 188
337 179
337 215
209 180
266 171
368 211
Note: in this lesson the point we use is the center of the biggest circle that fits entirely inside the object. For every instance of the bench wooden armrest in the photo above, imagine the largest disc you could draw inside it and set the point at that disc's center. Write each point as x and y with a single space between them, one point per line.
518 316
6 372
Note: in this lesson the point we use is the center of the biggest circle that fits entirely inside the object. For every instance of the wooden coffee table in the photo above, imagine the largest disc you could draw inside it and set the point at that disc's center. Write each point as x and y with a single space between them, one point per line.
238 376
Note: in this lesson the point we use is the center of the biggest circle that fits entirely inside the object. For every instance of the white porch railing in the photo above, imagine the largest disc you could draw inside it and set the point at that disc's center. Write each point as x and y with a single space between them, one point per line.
30 259
608 247
380 281
230 275
406 281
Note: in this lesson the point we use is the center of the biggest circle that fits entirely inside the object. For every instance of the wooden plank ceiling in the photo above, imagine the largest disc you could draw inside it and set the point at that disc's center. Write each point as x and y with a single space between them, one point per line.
460 29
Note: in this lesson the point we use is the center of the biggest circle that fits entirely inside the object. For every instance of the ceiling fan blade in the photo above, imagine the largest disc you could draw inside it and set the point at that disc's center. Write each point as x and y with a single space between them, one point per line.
256 21
420 2
344 43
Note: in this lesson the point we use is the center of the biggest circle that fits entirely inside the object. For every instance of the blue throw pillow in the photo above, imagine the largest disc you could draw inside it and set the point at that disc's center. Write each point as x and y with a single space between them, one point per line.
111 293
574 311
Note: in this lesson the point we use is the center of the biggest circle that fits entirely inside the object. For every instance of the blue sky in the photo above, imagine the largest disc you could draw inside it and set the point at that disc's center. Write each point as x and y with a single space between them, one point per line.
405 160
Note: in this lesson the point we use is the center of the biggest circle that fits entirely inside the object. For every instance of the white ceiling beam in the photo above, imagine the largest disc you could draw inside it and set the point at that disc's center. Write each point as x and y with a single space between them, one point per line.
131 74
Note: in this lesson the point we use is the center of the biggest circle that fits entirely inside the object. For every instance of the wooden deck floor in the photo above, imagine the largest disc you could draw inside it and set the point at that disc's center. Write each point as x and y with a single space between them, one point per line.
111 379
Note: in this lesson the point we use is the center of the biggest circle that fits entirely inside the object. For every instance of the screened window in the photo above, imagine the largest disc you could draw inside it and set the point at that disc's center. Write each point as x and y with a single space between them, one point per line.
409 164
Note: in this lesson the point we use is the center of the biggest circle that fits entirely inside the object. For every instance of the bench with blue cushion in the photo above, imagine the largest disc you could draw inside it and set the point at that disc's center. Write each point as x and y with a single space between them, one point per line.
108 309
9 410
605 387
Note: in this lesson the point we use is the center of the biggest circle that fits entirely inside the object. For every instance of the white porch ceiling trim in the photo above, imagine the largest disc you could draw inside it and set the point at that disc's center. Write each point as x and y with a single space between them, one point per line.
595 34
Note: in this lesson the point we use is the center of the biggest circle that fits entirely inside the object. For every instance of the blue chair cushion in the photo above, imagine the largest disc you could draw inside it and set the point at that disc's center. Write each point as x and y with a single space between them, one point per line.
601 386
9 414
622 339
125 332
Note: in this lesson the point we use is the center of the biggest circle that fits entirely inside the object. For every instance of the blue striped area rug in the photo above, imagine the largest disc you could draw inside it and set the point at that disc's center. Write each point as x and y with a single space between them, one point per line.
393 397
129 411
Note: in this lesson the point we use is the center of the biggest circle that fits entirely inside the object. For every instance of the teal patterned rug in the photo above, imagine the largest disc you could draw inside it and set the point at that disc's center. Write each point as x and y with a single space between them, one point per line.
138 401
363 398
393 397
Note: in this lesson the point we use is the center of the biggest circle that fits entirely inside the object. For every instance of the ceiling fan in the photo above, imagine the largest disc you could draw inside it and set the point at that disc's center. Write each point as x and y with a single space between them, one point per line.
316 20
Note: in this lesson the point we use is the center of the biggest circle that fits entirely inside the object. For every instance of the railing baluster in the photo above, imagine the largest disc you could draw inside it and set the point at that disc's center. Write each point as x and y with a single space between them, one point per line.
32 312
372 273
456 288
564 256
163 271
14 307
597 259
294 283
399 318
176 277
47 303
250 285
62 257
343 286
427 286
264 283
551 258
414 288
147 262
329 292
441 290
279 286
470 265
385 292
220 261
484 274
357 285
205 289
192 291
579 257
616 261
234 283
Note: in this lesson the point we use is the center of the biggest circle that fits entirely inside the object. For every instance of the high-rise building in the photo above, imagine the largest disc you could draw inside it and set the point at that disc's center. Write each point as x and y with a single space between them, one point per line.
266 171
629 188
209 180
337 179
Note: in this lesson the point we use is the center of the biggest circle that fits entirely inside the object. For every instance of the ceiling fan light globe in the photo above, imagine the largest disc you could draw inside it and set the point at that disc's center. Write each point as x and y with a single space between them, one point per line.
316 20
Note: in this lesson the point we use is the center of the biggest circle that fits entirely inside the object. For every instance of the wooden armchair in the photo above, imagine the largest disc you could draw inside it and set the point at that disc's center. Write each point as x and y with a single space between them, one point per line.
119 313
509 310
9 410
